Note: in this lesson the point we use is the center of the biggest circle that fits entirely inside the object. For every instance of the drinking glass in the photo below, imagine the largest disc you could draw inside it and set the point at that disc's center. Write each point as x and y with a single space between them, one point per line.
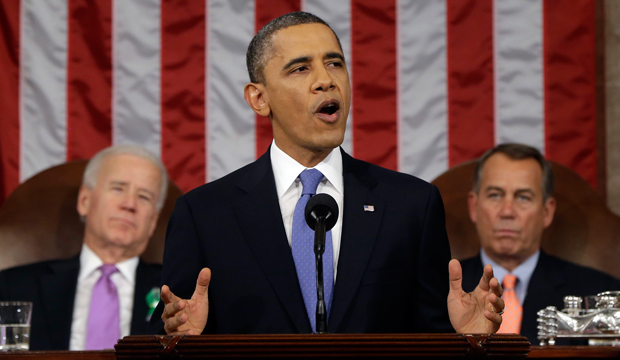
15 325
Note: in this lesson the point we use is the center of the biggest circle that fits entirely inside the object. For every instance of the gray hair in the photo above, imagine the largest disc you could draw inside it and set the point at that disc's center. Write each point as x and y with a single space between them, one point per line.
94 165
260 48
518 152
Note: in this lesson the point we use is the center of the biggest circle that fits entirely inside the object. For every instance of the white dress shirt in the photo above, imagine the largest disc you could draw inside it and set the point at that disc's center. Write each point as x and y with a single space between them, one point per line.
124 280
286 172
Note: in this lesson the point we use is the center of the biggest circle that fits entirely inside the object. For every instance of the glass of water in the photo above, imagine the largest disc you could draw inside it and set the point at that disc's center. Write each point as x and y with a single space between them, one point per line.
15 325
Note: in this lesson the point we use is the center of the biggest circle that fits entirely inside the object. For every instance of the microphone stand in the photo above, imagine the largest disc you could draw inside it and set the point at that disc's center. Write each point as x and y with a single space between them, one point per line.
319 249
321 215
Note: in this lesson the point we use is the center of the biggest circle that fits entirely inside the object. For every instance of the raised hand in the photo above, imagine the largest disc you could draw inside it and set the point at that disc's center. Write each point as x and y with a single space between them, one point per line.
187 317
477 311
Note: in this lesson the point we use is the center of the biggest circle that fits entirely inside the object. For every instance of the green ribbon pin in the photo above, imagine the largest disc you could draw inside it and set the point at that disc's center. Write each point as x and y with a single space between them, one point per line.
152 299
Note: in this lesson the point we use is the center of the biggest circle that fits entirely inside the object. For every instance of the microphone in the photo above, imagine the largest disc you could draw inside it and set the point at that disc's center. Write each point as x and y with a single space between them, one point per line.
321 205
321 214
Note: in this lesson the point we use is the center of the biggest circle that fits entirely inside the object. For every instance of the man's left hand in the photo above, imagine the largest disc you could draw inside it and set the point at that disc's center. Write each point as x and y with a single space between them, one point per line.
477 311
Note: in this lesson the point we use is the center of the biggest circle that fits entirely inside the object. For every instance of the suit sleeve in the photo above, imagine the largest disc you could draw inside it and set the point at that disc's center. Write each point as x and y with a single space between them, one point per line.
183 258
433 276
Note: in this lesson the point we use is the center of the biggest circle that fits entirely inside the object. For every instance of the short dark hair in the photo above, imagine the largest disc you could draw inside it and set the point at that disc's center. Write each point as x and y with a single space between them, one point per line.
518 152
259 50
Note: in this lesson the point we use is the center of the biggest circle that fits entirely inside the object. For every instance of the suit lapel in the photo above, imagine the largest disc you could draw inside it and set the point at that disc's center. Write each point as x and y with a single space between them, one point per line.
359 233
542 291
256 214
545 282
147 278
58 294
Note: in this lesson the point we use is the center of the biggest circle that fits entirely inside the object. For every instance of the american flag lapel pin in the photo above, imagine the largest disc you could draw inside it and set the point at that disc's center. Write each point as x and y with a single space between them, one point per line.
370 208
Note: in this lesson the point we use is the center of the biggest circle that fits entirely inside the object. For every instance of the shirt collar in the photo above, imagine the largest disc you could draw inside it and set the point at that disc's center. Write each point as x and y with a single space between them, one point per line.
523 272
286 169
90 262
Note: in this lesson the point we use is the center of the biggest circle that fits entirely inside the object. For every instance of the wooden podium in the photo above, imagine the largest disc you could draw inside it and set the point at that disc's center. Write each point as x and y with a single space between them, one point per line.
442 346
439 346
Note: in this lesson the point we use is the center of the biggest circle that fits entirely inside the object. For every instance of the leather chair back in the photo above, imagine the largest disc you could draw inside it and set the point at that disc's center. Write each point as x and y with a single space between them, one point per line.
583 231
39 220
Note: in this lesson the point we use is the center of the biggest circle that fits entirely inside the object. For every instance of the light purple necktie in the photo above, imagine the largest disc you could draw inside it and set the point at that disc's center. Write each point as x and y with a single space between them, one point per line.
103 319
303 249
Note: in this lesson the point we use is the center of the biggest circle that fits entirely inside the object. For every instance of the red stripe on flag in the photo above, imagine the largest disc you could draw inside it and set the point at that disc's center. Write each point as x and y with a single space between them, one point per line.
89 78
183 43
267 10
9 98
470 79
373 32
570 85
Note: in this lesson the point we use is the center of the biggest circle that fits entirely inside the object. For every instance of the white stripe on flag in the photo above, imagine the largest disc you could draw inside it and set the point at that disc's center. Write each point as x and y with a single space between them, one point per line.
231 131
136 67
422 88
518 48
338 15
43 79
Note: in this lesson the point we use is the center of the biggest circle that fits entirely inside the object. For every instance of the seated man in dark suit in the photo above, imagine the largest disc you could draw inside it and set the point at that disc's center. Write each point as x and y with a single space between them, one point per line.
511 204
387 261
104 293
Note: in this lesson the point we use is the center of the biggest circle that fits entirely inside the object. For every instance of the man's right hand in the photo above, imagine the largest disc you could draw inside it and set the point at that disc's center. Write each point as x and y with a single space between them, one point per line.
187 317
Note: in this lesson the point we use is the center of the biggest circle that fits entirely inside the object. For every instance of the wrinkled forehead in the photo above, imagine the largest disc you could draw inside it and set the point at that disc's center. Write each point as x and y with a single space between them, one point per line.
129 168
314 32
501 171
313 36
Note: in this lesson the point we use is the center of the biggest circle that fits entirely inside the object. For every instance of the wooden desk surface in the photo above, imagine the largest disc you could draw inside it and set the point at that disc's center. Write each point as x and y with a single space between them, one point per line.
59 355
537 352
574 352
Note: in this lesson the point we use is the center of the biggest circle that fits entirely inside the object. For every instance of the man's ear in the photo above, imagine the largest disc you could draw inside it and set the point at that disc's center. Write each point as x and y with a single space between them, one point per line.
153 224
549 211
472 203
83 202
255 96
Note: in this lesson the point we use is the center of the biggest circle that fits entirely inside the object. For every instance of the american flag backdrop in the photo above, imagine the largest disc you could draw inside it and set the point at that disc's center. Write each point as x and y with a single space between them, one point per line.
435 82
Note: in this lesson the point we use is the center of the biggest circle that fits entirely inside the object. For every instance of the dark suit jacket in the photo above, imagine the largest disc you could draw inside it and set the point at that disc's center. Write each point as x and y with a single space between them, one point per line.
51 285
552 279
392 268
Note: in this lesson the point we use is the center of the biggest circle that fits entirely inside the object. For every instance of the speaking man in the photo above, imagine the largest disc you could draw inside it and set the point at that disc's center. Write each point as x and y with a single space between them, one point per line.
386 260
511 204
106 292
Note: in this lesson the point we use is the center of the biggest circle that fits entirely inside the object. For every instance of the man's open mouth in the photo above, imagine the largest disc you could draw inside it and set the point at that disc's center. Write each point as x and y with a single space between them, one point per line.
329 107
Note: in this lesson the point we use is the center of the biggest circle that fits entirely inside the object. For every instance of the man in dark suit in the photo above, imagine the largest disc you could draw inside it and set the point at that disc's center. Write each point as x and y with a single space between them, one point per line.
123 190
390 251
511 204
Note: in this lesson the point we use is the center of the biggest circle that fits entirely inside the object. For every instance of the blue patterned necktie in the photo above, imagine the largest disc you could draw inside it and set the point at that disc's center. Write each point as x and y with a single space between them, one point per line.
303 249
